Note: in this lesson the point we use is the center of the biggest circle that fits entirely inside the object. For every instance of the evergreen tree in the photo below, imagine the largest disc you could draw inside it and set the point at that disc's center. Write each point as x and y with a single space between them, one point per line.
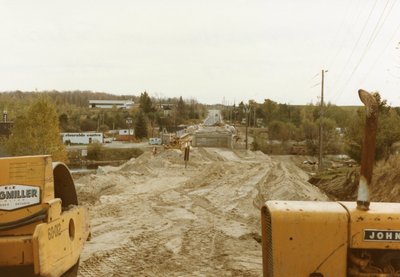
181 109
141 125
63 119
37 132
145 103
193 111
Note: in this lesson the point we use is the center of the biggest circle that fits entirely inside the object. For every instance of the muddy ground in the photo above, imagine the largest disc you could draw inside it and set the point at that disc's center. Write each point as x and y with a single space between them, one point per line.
154 217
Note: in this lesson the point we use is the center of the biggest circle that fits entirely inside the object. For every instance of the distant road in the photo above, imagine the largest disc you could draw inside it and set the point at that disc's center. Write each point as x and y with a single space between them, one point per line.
214 116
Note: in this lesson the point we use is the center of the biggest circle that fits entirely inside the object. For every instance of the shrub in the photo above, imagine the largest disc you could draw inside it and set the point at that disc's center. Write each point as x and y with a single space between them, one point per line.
95 151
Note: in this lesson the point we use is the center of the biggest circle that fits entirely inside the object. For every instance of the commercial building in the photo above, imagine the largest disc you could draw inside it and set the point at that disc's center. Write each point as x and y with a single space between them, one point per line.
108 104
81 138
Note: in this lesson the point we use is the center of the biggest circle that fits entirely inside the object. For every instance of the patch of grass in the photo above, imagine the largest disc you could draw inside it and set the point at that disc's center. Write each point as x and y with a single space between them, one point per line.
96 152
110 154
332 173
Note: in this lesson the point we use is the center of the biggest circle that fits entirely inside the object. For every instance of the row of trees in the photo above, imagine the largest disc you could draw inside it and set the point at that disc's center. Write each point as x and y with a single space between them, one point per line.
39 120
343 127
40 117
152 114
291 122
76 116
167 114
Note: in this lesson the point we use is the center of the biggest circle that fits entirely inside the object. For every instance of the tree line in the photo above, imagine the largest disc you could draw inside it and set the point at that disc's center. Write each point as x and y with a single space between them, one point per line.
76 116
41 115
342 127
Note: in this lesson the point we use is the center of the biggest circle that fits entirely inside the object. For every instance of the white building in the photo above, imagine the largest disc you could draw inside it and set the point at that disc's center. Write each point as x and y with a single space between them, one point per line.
108 104
81 138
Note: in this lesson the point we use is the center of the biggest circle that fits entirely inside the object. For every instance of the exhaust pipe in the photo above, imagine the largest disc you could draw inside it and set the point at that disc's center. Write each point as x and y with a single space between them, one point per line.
368 149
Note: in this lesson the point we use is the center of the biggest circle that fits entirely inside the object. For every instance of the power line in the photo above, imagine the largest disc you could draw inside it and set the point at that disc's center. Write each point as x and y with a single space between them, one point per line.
357 42
384 20
314 76
378 26
385 48
331 61
374 34
317 84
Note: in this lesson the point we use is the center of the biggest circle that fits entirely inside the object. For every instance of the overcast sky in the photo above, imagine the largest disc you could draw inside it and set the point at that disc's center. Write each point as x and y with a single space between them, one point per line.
215 51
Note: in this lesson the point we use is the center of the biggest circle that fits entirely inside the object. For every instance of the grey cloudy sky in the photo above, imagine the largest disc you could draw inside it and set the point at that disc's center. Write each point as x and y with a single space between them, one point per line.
211 50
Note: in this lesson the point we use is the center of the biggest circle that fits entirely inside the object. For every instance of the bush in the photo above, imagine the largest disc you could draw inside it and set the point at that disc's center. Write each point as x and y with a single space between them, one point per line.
113 154
95 151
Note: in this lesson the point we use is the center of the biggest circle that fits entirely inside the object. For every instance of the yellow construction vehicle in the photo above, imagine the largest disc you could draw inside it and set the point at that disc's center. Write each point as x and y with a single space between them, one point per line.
42 228
334 239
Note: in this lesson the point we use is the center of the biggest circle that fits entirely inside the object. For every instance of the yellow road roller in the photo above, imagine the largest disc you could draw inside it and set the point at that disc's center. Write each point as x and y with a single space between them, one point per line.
42 228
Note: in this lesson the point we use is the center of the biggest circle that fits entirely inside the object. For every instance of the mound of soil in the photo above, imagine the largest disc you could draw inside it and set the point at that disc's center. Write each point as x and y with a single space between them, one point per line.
153 217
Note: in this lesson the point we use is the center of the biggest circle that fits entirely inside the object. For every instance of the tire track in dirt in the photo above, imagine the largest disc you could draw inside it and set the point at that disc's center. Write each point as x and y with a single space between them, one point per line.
138 258
172 221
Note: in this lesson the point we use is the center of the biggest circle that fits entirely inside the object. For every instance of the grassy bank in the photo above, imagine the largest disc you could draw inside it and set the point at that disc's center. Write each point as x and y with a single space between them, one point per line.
98 153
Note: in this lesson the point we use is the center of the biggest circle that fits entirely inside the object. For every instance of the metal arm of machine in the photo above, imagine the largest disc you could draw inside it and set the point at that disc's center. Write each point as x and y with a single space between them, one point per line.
368 149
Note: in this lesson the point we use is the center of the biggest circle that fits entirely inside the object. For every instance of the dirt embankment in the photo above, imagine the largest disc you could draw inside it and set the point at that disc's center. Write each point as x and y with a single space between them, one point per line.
154 217
342 183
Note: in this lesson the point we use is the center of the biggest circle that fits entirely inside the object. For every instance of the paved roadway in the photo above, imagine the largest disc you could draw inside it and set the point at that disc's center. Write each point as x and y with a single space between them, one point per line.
214 116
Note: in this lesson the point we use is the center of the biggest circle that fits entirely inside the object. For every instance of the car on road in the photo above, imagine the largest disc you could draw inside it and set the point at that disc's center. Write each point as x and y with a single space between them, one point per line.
155 141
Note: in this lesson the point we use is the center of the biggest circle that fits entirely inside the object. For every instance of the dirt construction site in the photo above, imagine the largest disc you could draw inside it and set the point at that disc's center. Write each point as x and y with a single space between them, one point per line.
153 217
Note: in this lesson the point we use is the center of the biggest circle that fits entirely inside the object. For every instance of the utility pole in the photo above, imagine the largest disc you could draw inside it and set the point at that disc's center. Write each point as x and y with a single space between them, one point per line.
320 122
247 113
247 126
255 119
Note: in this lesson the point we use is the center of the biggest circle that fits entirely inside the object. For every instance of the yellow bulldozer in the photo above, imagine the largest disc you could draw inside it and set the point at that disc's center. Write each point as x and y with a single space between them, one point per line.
42 228
335 239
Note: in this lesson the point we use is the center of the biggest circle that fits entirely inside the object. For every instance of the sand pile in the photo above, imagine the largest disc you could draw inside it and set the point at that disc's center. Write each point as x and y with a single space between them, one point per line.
153 217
